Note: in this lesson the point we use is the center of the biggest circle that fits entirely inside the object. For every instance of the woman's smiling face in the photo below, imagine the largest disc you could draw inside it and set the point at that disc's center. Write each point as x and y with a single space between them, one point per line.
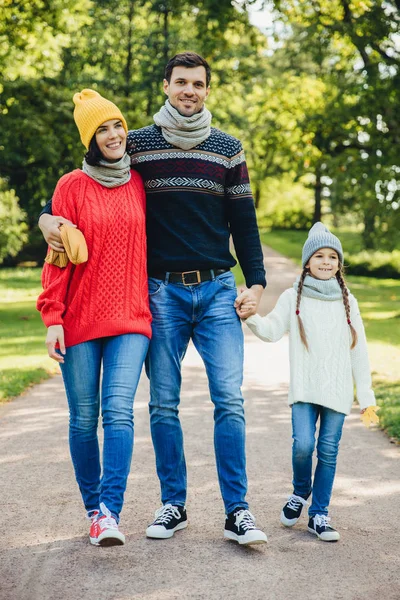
111 140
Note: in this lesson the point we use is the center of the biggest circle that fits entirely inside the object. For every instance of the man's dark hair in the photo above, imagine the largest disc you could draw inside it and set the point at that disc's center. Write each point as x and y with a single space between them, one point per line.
93 155
190 60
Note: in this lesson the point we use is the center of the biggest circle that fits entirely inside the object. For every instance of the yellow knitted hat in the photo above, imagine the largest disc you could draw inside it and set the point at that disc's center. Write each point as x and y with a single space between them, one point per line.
91 110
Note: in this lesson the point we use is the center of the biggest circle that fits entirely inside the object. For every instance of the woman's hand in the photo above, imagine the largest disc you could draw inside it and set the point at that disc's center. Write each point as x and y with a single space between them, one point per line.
55 333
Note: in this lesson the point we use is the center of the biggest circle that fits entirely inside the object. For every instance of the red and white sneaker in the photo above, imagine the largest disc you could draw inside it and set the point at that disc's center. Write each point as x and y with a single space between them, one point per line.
104 530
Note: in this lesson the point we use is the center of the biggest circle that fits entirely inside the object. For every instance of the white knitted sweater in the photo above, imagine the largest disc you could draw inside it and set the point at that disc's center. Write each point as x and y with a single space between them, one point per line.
324 374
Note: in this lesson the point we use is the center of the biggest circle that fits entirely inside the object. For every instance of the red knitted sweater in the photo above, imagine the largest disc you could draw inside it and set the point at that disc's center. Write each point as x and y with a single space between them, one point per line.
108 294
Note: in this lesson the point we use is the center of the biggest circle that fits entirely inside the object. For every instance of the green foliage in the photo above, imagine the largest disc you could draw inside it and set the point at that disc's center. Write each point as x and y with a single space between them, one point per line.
285 205
355 130
374 264
12 227
388 398
317 105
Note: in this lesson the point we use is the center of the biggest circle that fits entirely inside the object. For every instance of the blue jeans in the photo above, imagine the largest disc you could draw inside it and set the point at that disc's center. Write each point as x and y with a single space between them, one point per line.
205 314
122 360
304 420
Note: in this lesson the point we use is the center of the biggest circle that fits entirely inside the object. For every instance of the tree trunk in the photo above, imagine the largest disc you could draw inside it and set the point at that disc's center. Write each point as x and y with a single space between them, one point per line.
166 34
257 195
128 65
369 228
317 195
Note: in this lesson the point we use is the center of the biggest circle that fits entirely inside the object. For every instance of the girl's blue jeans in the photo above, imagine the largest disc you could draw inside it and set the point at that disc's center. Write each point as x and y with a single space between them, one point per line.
205 314
304 421
121 358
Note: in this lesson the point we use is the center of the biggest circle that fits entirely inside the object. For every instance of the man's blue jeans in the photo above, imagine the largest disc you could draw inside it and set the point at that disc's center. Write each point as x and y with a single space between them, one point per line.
205 313
122 359
304 420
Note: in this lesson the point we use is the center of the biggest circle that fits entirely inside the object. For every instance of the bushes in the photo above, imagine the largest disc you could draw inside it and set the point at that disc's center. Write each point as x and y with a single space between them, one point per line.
286 218
12 228
385 265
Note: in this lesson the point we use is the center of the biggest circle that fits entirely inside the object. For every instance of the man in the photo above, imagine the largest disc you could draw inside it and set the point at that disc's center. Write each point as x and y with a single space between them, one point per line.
198 193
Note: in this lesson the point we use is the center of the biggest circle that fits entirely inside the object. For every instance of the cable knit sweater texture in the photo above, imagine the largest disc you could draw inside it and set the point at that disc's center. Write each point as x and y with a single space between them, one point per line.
108 294
325 374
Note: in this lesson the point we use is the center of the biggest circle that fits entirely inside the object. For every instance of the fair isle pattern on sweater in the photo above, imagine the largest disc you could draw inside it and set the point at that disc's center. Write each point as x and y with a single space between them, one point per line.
107 295
195 200
174 154
184 183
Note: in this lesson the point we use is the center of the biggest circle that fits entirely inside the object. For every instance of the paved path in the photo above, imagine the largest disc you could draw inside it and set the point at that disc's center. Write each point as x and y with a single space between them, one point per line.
44 550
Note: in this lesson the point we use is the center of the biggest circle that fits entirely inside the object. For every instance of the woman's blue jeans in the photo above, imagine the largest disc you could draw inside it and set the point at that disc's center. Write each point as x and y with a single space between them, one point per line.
122 359
304 421
205 314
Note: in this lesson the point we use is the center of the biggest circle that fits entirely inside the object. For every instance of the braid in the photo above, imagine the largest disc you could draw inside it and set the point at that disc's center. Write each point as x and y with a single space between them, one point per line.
345 293
300 322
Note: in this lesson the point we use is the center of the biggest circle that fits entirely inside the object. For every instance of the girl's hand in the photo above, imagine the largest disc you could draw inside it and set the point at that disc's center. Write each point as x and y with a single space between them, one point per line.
55 333
369 416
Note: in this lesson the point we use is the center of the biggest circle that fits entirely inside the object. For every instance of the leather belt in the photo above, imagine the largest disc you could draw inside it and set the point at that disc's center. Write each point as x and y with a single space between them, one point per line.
189 277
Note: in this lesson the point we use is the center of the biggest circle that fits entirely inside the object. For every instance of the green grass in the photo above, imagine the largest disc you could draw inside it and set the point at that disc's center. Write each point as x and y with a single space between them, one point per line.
24 360
379 301
388 398
23 355
290 243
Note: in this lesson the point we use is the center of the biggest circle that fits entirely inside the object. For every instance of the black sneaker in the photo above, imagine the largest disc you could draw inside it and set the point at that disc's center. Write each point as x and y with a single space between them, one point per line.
240 526
168 519
319 525
292 510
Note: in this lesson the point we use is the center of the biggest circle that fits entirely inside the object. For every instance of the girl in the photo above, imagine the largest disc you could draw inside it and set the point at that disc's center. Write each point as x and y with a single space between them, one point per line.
97 312
327 349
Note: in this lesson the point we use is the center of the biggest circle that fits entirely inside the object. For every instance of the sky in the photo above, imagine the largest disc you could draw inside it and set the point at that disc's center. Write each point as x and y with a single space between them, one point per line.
261 18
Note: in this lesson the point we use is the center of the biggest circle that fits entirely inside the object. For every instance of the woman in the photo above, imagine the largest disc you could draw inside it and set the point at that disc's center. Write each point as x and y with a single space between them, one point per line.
97 313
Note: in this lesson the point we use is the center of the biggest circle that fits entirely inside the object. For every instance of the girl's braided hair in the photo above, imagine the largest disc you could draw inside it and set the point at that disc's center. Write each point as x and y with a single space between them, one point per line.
345 294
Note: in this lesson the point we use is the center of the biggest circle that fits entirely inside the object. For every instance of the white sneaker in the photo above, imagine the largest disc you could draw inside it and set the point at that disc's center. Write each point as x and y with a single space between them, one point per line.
240 526
168 519
319 525
292 510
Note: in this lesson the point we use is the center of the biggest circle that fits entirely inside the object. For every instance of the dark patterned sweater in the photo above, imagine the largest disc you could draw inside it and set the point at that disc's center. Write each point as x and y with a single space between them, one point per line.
195 199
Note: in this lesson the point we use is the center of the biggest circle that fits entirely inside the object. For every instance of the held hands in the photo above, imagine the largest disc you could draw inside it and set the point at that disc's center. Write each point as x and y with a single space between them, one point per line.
368 415
49 226
55 333
247 301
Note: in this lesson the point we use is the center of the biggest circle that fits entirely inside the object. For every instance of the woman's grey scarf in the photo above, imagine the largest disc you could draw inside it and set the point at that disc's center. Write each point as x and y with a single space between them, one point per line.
110 174
319 288
183 132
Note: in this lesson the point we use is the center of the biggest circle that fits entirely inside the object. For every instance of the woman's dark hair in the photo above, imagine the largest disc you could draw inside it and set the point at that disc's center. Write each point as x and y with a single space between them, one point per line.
190 60
93 155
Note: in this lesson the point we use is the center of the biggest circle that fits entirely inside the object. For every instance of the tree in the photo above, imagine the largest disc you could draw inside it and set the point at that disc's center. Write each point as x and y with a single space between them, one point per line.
13 230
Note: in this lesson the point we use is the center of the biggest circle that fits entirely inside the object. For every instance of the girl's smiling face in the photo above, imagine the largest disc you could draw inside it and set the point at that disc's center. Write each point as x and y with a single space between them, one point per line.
324 264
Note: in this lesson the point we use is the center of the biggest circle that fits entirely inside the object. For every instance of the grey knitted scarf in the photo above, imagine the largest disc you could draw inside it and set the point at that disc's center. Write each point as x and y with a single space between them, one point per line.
319 288
183 132
110 174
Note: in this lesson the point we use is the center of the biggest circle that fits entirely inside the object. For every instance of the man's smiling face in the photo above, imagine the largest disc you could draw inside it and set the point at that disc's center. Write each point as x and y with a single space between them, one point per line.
187 89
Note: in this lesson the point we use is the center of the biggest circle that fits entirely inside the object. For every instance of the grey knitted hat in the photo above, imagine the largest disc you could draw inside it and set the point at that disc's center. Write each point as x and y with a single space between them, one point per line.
319 237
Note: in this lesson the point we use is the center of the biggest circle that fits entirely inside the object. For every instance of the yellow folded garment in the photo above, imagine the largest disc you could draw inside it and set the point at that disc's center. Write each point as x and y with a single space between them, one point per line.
369 416
75 248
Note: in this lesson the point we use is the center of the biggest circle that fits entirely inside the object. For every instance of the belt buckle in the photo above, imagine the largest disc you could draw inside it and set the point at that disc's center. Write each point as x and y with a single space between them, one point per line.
188 273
